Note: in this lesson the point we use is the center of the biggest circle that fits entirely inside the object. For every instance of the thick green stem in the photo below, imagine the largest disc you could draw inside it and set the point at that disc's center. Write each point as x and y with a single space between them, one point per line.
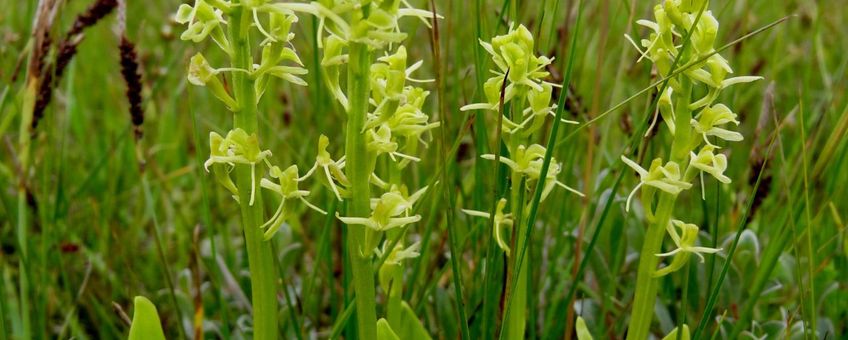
358 169
517 312
646 283
259 255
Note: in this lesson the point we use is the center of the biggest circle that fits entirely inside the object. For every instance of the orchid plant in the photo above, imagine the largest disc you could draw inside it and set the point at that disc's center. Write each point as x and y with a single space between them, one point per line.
693 123
519 78
386 124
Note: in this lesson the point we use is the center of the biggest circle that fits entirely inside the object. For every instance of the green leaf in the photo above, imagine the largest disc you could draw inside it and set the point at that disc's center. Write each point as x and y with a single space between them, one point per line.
384 331
583 331
145 324
673 334
410 326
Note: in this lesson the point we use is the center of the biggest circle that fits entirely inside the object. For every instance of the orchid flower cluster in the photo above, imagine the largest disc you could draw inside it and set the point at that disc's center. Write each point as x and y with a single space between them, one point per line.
520 75
396 123
206 19
278 60
394 126
694 153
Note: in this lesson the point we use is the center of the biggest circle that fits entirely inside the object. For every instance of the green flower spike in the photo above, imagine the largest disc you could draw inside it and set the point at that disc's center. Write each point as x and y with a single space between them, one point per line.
288 190
709 162
665 178
529 161
238 148
514 52
332 169
200 73
204 19
379 29
514 58
685 242
707 123
502 221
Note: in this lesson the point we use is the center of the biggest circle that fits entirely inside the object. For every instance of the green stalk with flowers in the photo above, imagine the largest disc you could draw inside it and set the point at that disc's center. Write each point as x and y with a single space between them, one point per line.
384 127
692 123
230 26
519 80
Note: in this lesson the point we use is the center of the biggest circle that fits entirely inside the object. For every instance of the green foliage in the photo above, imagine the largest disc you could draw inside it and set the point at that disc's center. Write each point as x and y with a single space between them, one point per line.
145 322
90 217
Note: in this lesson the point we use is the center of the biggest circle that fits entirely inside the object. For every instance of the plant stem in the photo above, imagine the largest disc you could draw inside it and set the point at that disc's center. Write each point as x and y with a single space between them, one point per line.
646 283
517 316
259 255
358 170
25 140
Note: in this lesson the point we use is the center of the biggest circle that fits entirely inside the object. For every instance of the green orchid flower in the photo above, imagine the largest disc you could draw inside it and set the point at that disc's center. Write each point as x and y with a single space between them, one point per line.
399 253
287 188
708 121
237 148
204 19
390 211
528 162
685 243
410 121
663 177
502 223
200 73
709 162
332 169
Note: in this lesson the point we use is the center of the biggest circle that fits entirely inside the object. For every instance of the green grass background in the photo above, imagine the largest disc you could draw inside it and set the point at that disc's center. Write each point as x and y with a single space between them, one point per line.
99 218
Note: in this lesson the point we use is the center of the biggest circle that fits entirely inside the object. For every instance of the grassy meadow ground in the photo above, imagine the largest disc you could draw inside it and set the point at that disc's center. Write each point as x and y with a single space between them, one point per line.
109 217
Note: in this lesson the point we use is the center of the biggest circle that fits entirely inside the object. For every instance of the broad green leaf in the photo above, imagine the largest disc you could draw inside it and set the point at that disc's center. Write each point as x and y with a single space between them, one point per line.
410 326
384 331
145 324
583 331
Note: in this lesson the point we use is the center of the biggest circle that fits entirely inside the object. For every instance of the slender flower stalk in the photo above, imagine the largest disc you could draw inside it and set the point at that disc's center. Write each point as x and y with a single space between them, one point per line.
383 132
229 25
520 76
692 122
